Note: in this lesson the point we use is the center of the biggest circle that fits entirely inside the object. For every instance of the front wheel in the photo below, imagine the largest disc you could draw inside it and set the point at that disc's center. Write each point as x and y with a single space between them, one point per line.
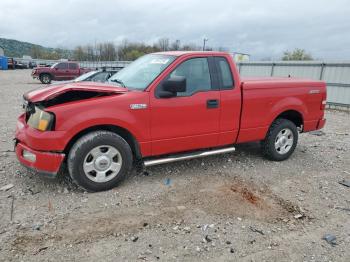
45 79
281 140
99 160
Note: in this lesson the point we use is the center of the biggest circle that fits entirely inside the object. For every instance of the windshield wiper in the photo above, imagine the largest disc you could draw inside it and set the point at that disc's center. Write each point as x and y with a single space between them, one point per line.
118 81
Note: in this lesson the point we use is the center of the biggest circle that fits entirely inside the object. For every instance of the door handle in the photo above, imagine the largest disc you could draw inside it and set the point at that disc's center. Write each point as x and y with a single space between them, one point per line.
212 103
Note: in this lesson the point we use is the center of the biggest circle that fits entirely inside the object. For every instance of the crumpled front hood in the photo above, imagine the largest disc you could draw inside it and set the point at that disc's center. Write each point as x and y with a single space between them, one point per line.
47 93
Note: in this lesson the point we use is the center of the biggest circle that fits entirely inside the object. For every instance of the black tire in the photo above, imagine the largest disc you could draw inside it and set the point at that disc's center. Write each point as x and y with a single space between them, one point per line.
45 79
268 145
79 153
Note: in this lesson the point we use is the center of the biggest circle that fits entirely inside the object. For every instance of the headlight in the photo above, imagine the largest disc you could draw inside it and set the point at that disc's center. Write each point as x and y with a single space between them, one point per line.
41 120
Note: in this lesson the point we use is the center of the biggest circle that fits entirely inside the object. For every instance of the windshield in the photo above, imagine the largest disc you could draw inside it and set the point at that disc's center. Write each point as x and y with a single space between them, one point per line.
85 76
140 73
53 66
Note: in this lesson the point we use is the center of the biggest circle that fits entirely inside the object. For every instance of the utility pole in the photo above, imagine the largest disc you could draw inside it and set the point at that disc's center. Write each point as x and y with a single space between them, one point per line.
177 44
204 41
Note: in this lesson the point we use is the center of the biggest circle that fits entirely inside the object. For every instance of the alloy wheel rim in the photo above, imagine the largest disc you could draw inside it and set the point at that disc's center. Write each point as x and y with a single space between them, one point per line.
102 163
284 141
46 79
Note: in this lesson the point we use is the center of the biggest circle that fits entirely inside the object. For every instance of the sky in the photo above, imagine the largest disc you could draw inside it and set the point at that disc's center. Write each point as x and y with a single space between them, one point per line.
263 29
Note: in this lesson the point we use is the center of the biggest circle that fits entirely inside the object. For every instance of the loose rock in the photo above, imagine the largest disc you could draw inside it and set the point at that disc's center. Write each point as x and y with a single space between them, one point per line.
331 239
134 238
7 187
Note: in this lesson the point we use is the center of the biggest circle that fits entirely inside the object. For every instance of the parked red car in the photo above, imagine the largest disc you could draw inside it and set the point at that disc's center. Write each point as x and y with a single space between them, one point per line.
58 71
163 107
11 63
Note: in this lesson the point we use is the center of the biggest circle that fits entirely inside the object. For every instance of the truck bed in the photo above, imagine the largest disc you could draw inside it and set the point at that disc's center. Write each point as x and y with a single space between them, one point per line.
264 98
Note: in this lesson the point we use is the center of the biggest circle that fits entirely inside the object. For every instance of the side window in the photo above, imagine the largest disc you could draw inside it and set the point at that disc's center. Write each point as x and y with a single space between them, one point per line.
62 66
73 66
224 72
197 75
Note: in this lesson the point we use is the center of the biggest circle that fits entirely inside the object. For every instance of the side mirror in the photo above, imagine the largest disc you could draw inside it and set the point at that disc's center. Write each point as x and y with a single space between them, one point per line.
171 86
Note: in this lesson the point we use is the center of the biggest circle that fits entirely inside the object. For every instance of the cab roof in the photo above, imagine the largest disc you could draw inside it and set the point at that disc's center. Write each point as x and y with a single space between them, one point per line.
180 53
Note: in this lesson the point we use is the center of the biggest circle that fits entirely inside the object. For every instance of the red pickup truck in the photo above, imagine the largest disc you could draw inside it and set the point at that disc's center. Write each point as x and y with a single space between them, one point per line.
163 107
58 71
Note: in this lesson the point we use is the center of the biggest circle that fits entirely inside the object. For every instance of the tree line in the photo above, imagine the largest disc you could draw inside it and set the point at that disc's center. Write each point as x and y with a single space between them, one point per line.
129 51
108 51
50 53
126 51
296 55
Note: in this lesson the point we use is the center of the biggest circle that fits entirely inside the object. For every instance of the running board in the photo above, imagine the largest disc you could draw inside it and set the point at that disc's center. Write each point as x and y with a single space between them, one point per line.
188 156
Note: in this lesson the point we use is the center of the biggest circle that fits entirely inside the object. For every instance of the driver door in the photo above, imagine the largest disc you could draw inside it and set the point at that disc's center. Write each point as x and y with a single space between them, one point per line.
61 71
73 71
190 120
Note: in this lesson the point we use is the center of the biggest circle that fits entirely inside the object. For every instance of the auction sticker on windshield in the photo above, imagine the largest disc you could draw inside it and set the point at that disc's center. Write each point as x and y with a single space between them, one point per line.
159 61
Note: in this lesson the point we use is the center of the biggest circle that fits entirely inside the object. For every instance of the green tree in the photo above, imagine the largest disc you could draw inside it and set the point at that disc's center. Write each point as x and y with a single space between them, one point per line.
175 45
79 54
36 52
163 44
296 55
107 51
133 54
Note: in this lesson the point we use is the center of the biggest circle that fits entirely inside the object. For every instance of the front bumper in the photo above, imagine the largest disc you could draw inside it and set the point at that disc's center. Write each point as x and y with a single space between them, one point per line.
34 149
44 163
34 75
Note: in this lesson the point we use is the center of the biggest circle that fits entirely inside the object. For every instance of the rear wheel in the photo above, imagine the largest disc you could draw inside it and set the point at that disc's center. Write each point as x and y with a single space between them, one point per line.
281 140
45 79
99 160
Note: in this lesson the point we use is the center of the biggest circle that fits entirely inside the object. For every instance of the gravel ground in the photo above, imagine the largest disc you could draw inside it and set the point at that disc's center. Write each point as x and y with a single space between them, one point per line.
233 207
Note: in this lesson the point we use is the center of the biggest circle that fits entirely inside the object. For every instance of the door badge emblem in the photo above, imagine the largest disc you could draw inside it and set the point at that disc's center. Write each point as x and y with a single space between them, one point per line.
138 106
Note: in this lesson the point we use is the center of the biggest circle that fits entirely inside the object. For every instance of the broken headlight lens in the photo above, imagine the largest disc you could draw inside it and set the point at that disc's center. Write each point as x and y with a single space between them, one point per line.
24 105
41 120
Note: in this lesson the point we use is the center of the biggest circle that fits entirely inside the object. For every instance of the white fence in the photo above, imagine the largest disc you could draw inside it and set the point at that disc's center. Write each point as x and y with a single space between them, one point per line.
99 64
335 74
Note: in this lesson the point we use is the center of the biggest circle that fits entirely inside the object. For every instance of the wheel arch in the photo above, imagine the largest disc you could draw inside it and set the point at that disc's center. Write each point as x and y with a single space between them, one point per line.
124 133
291 108
46 73
292 115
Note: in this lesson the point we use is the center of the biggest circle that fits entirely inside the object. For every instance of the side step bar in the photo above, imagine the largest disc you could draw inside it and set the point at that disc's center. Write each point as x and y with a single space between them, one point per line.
187 156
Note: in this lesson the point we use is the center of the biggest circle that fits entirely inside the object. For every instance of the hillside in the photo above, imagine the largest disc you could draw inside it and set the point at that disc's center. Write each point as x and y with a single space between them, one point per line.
15 48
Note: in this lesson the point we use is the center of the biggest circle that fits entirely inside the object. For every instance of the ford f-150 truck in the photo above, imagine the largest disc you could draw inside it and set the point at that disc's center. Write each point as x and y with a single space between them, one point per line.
58 71
163 107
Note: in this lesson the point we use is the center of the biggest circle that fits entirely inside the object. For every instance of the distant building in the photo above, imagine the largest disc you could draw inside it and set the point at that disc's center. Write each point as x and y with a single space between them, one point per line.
2 52
240 57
